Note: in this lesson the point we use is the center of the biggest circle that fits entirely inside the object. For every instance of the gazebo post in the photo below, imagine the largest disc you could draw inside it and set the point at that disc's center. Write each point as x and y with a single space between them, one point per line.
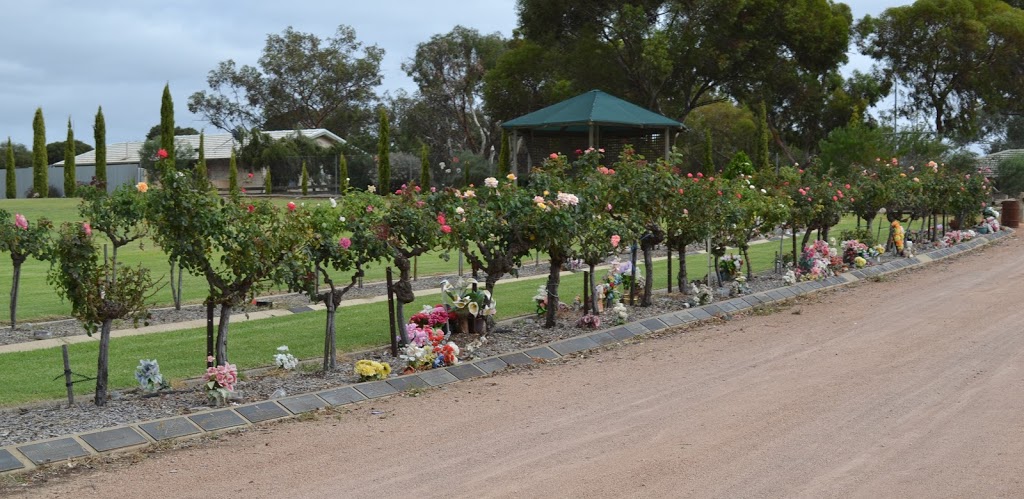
668 146
590 141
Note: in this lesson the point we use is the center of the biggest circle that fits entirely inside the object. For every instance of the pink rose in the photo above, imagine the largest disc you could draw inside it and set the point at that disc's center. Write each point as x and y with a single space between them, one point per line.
162 154
344 242
291 206
87 228
369 208
553 155
20 221
615 241
446 229
441 219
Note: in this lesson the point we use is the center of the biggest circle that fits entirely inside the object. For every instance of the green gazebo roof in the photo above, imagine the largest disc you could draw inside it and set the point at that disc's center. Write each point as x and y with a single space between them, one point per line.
580 113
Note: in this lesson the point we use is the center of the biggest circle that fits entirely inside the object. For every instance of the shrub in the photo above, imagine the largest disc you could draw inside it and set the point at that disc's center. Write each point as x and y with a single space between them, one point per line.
863 235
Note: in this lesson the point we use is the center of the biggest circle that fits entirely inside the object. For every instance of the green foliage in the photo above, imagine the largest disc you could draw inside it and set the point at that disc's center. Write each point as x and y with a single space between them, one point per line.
120 215
201 172
305 179
99 129
156 131
1010 175
709 156
40 184
184 157
233 189
504 156
863 235
383 154
11 187
425 167
167 123
952 58
738 167
300 81
762 161
69 163
268 184
343 178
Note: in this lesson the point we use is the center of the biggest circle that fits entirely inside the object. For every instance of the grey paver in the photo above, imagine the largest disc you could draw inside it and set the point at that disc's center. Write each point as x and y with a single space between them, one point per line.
169 428
375 389
654 324
53 450
685 317
517 359
602 338
637 328
300 309
542 353
341 396
303 403
669 319
465 371
437 377
262 411
726 307
621 333
490 365
8 462
573 345
752 300
712 309
700 313
217 420
115 438
403 383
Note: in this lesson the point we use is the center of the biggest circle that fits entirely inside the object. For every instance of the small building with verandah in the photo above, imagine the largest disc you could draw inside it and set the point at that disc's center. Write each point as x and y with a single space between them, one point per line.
593 119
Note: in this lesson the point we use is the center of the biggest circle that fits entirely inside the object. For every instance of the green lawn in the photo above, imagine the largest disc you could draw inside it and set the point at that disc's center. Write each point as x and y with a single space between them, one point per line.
28 376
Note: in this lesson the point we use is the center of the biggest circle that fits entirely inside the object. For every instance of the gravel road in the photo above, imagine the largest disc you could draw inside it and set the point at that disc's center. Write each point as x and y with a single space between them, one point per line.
908 387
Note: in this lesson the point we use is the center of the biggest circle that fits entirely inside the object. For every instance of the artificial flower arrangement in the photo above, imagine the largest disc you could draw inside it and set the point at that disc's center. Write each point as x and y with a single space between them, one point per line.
859 262
590 321
958 236
541 299
428 345
148 375
818 261
618 281
369 370
284 359
466 301
730 265
790 278
220 381
989 225
897 236
621 314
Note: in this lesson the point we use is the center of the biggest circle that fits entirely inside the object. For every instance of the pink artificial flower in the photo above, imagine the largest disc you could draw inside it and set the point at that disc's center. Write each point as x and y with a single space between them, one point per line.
20 221
344 242
615 241
291 206
446 229
209 358
87 228
162 154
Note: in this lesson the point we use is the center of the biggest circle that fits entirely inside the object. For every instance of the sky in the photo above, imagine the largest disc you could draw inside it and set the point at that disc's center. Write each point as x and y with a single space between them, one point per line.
70 57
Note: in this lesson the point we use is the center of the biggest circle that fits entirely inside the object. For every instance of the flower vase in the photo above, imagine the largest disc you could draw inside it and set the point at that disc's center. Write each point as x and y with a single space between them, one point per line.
463 324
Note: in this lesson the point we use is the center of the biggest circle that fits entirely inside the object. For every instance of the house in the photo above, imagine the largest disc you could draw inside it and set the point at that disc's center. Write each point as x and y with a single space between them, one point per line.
988 165
217 149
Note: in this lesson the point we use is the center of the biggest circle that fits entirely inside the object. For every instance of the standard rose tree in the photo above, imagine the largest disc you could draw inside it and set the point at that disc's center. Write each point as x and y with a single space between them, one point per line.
23 239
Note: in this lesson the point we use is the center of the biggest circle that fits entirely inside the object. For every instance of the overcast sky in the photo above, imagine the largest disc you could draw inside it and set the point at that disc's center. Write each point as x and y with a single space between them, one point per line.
69 57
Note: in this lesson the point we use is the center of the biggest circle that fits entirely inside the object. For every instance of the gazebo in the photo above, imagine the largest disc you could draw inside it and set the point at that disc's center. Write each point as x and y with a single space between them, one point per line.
593 119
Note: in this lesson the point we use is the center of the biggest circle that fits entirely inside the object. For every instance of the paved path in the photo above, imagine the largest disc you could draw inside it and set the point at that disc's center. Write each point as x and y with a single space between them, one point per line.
908 387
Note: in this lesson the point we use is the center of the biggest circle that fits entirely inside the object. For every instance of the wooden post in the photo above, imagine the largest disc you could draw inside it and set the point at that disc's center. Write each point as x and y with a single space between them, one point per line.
415 268
460 263
391 315
632 284
67 376
669 268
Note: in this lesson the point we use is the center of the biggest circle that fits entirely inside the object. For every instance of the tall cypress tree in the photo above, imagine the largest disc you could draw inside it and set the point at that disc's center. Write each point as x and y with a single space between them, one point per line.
12 187
383 156
504 157
425 167
709 157
268 185
342 173
99 130
233 176
305 179
40 183
201 163
167 124
69 163
762 161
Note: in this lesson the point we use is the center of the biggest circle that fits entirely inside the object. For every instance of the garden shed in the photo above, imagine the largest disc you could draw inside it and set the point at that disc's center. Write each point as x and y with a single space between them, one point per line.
593 119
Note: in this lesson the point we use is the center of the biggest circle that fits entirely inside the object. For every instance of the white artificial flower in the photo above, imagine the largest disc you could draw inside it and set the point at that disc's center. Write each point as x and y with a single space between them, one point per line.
474 308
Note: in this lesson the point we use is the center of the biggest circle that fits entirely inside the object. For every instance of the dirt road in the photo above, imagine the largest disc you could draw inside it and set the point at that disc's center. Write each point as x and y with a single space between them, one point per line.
909 387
